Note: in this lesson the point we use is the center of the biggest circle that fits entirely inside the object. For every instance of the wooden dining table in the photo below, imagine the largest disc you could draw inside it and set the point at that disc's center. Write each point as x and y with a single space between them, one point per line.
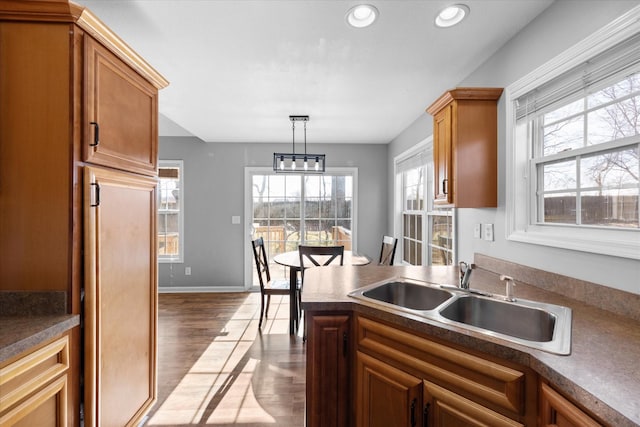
292 260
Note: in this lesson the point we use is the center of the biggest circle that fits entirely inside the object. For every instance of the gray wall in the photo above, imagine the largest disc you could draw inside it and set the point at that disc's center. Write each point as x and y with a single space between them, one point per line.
562 25
214 192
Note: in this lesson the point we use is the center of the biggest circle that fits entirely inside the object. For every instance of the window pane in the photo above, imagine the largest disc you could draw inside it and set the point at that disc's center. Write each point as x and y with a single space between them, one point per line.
560 208
615 121
564 111
169 210
612 169
559 176
621 89
276 186
293 187
611 208
276 207
292 208
312 207
563 136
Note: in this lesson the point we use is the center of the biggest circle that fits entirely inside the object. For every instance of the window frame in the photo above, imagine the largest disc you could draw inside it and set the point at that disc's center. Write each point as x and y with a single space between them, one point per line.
180 165
425 148
521 215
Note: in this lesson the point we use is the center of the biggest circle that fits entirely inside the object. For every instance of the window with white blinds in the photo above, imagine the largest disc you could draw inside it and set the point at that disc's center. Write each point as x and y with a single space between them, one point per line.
574 172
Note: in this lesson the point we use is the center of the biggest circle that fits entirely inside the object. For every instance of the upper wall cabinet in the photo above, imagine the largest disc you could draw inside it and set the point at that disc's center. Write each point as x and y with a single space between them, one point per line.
465 147
121 129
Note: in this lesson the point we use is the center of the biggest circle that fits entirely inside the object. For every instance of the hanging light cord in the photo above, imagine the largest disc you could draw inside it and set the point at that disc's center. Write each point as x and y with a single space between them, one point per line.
293 127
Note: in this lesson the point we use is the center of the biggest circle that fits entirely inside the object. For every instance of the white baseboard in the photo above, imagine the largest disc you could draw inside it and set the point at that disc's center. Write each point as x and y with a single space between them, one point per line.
201 289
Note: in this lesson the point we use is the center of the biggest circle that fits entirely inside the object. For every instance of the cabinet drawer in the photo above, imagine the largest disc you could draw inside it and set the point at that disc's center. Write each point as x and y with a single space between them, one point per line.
29 373
46 407
490 383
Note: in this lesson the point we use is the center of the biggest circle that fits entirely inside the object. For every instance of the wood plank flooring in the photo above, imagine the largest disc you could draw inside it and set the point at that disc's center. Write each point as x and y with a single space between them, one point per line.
216 369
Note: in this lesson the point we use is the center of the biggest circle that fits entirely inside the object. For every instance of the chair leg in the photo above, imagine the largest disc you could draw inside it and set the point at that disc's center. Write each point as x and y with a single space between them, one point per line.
261 311
266 311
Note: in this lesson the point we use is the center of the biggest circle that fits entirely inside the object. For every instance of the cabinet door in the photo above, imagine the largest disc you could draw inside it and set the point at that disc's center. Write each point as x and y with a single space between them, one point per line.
442 141
556 411
121 118
444 408
120 297
328 385
386 396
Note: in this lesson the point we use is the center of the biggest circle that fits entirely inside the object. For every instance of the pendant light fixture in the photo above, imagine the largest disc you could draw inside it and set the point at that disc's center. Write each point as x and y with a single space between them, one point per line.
298 162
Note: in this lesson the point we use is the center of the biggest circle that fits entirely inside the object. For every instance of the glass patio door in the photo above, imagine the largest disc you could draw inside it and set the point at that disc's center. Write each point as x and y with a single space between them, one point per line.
292 209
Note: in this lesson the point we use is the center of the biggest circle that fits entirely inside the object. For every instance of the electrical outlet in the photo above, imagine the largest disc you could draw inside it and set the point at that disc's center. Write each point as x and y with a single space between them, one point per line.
488 232
477 231
187 271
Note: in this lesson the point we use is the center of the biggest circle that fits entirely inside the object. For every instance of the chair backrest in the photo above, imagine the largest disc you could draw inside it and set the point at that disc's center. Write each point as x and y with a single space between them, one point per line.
319 256
388 250
262 264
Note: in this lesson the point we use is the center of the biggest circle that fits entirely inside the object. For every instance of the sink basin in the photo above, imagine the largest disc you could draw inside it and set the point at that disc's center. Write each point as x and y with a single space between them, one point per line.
408 295
543 326
518 321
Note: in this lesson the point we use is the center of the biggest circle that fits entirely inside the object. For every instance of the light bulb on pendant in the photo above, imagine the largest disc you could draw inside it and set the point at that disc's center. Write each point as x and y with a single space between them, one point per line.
281 163
293 163
306 164
317 167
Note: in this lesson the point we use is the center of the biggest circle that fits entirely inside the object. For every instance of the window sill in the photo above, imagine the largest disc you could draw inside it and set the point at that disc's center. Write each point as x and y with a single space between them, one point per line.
619 243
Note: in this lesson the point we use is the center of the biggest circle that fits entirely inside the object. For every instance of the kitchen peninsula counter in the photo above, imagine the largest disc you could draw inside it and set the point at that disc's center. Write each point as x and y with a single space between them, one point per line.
601 371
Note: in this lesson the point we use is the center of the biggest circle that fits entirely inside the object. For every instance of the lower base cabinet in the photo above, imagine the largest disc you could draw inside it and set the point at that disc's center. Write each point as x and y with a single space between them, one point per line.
556 411
34 387
403 379
328 369
386 396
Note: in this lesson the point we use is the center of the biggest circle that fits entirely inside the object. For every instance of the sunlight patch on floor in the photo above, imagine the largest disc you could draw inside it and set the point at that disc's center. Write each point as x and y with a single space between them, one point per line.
218 387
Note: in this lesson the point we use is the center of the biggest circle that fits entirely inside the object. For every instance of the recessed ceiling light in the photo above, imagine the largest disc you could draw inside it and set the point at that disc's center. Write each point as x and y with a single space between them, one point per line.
451 15
362 15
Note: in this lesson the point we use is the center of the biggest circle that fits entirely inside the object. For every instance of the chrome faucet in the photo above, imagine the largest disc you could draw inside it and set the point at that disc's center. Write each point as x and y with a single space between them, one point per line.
465 274
509 283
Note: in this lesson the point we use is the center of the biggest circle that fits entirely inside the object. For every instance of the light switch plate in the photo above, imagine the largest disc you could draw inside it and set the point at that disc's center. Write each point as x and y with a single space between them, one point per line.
477 231
187 271
235 219
488 232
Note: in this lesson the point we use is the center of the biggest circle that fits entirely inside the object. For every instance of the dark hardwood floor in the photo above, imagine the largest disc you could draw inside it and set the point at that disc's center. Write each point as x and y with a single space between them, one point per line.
216 369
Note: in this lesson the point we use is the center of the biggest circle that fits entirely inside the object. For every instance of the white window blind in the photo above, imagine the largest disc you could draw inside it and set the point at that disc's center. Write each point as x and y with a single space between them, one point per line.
623 59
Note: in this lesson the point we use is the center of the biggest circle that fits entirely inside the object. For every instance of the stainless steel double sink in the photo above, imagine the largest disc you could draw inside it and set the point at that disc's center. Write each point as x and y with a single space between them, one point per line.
533 324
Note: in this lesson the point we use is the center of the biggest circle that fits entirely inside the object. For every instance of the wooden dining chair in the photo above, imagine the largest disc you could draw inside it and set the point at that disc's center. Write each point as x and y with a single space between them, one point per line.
319 256
316 256
388 250
268 286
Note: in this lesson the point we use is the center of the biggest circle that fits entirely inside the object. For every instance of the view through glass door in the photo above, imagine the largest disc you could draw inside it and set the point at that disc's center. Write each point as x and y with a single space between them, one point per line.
289 210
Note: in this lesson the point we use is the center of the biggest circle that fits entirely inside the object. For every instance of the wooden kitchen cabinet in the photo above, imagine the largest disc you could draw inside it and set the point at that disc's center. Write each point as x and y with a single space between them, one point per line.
120 297
450 387
557 411
35 386
465 138
61 71
386 396
329 350
121 113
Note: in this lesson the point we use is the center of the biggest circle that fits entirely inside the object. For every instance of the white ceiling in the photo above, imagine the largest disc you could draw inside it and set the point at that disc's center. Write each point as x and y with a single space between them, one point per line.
239 68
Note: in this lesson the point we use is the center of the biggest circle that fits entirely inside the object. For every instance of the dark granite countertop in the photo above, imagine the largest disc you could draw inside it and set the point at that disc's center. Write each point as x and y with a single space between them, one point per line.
601 373
30 318
20 333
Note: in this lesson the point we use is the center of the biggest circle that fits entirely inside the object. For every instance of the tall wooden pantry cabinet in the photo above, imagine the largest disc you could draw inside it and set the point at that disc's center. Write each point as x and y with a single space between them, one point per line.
78 171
